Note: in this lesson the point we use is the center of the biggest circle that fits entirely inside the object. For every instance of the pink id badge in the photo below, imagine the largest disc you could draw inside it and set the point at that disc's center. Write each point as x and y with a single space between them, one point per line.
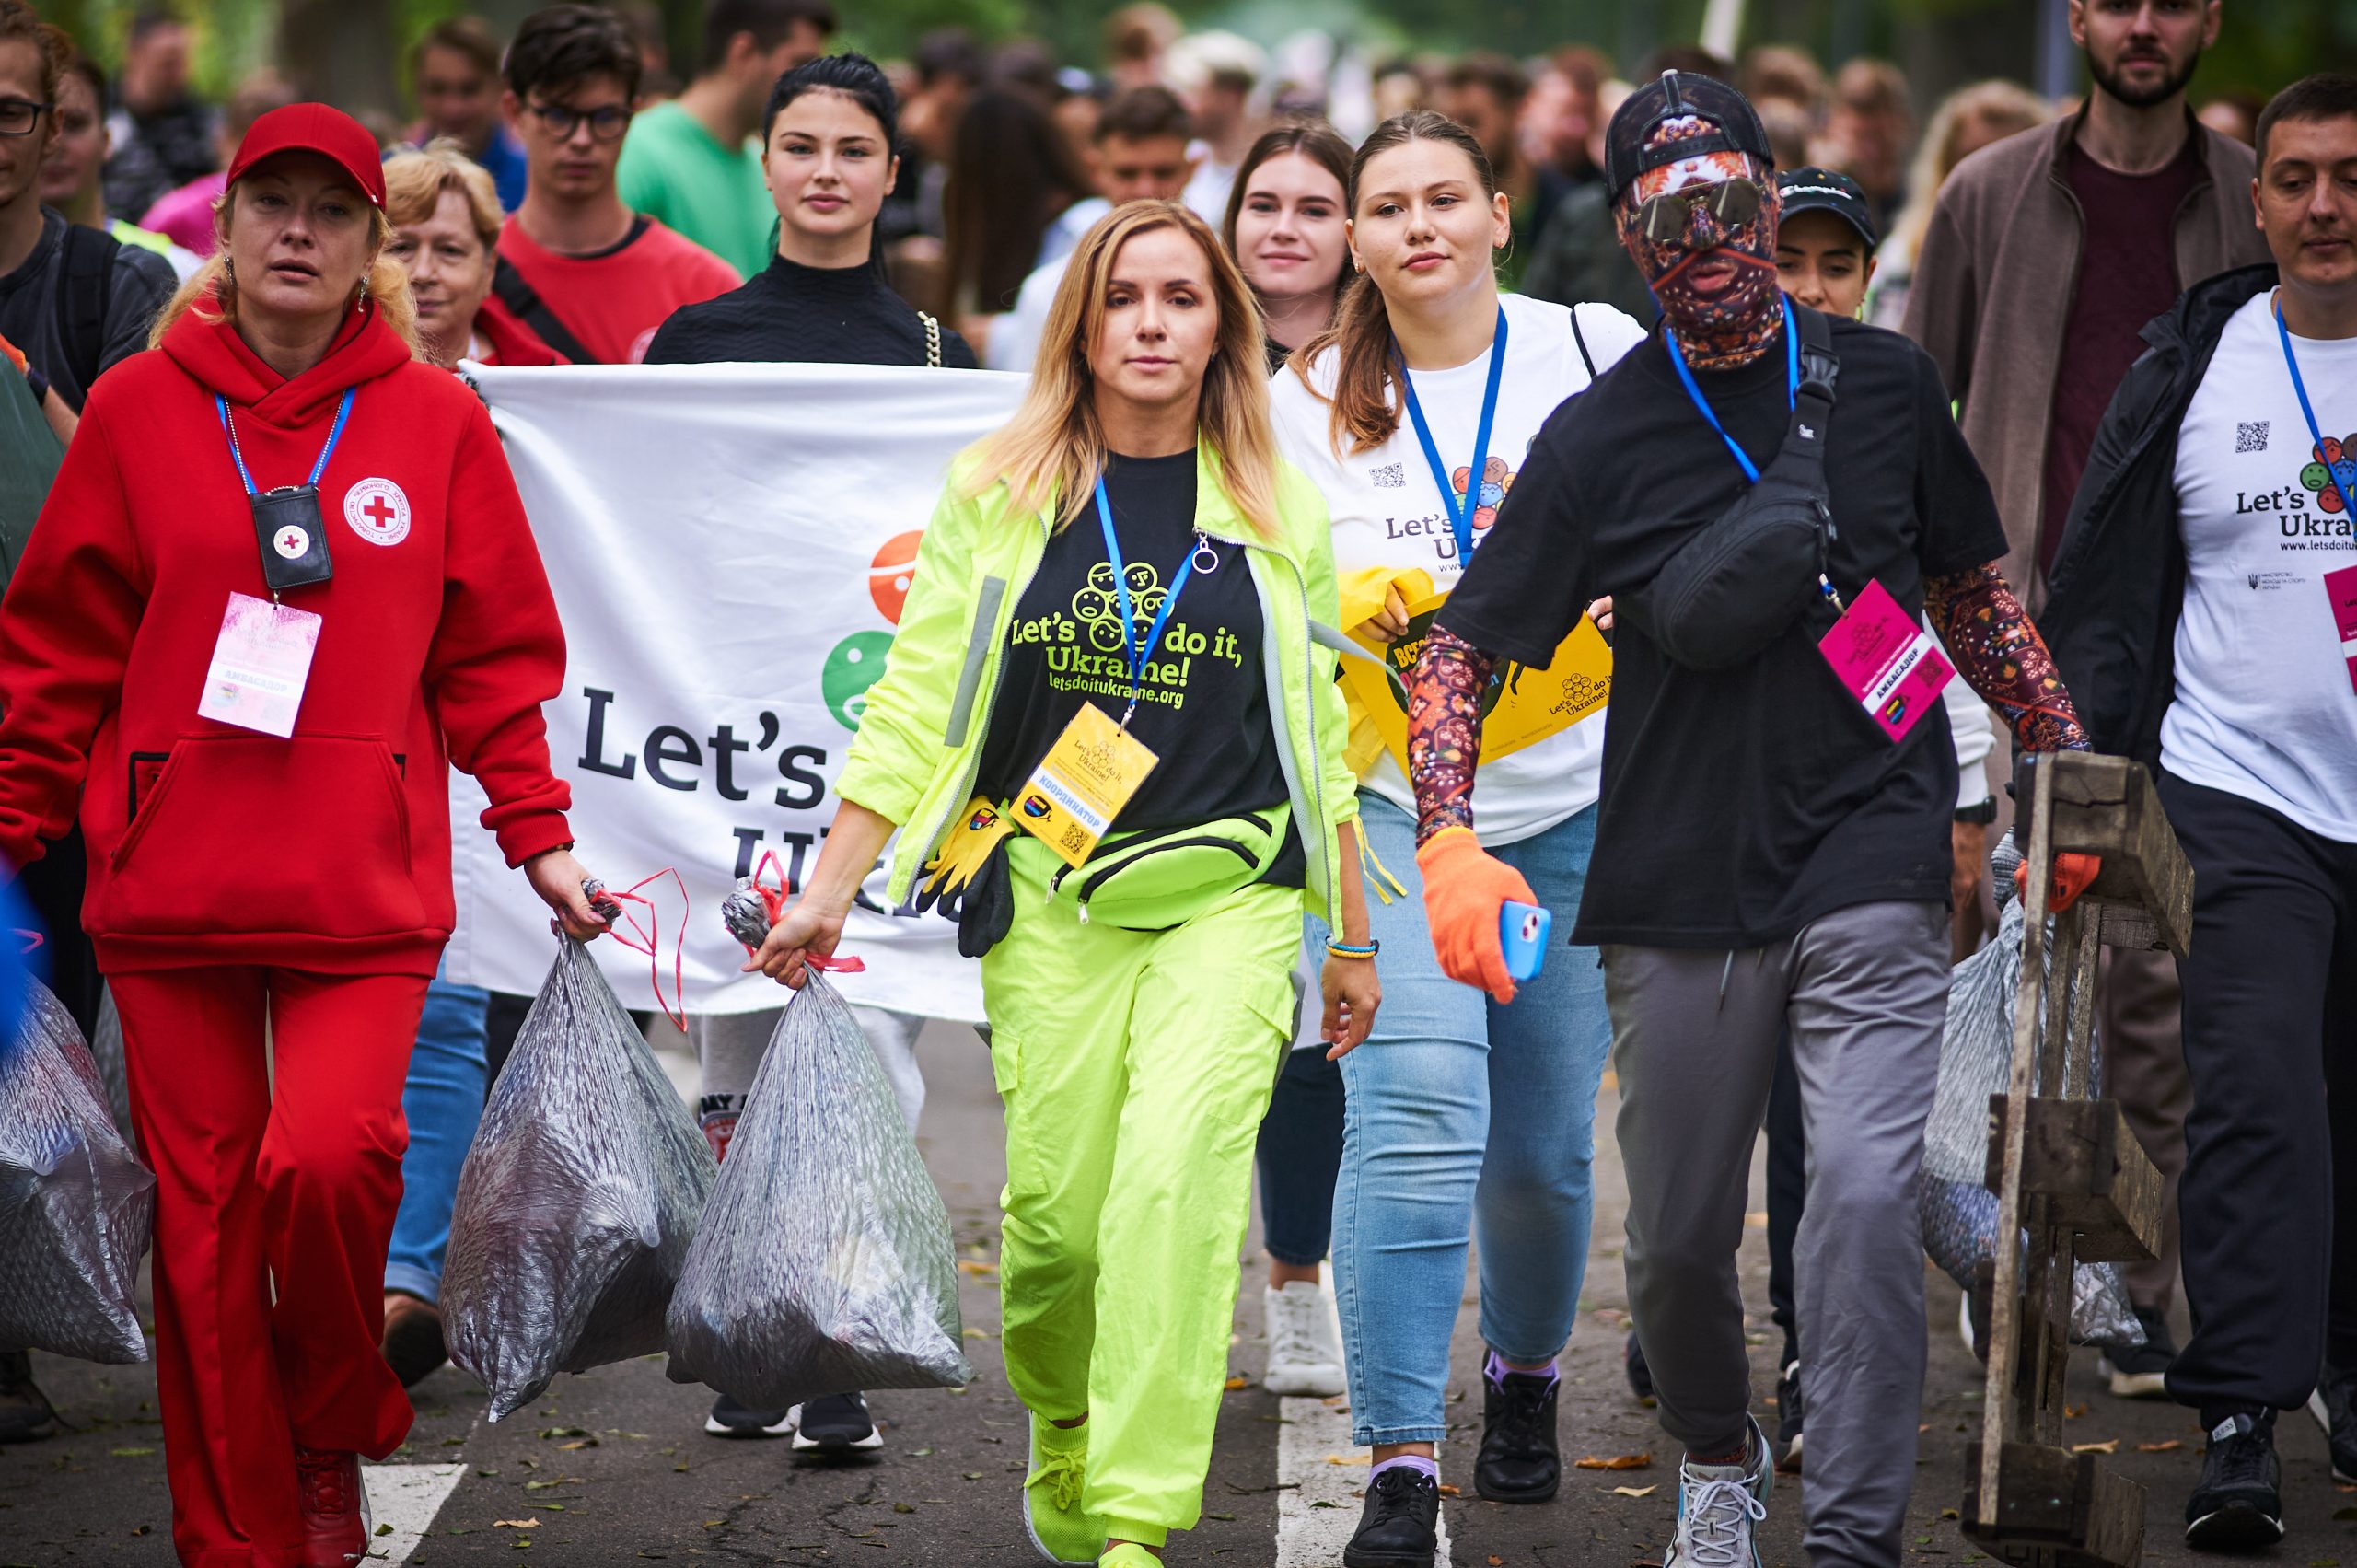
1887 660
259 666
2341 588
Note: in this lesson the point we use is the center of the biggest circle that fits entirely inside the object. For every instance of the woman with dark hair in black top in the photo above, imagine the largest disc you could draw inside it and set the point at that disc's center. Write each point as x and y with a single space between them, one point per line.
827 150
828 144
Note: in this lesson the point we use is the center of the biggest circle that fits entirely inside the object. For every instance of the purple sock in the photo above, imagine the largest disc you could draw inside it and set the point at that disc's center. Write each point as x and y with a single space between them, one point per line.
1409 1461
1496 1371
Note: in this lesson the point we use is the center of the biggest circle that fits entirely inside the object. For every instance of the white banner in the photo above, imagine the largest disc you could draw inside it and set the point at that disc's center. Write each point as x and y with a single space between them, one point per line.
729 546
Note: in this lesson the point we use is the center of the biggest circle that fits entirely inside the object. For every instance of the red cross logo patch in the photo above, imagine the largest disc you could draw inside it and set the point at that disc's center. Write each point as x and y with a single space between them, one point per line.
292 542
377 511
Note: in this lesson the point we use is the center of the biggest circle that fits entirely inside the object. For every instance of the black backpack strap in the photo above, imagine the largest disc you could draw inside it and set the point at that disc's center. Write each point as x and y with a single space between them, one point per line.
1581 338
533 312
1820 367
84 292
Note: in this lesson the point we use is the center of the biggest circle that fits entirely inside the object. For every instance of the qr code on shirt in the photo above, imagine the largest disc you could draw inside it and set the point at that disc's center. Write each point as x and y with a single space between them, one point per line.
1391 476
2251 436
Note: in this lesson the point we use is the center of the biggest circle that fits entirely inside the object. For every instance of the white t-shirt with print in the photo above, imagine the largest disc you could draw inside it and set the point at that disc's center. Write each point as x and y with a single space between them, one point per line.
2264 707
1388 511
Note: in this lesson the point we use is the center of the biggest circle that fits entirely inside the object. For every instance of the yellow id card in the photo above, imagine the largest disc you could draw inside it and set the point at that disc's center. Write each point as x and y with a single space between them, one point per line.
1522 707
1090 773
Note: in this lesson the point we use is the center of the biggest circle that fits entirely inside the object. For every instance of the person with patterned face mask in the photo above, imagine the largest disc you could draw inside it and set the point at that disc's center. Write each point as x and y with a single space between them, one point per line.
1771 848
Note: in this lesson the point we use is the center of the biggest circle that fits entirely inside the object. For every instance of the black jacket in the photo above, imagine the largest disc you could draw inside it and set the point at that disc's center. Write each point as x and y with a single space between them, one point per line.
2119 579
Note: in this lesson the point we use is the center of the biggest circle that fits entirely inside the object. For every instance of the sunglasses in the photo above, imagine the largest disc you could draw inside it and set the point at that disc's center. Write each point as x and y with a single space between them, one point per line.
1730 203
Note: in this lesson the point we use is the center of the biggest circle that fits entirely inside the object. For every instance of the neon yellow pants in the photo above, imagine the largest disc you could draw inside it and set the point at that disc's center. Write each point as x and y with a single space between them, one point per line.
1136 1068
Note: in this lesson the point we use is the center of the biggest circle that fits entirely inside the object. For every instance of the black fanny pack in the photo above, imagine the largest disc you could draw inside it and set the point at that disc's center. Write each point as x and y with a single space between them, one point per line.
1736 586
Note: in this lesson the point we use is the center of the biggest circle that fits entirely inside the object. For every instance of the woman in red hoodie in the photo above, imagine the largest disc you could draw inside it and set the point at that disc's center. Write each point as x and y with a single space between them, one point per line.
281 581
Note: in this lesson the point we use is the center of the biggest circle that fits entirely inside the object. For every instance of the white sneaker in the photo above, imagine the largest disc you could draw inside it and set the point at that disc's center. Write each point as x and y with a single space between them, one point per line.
1719 1506
1303 1356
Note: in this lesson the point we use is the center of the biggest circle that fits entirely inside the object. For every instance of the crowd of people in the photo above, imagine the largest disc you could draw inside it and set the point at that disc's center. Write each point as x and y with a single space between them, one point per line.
1464 365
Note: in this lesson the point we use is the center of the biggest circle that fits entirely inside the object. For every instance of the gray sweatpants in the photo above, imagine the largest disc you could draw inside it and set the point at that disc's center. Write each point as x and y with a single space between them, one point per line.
1864 992
728 1046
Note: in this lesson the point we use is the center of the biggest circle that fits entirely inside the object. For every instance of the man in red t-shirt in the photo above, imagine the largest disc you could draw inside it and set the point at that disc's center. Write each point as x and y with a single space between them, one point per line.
591 277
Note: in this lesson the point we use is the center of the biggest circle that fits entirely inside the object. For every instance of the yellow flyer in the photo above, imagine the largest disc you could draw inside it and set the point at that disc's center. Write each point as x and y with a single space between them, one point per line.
1522 706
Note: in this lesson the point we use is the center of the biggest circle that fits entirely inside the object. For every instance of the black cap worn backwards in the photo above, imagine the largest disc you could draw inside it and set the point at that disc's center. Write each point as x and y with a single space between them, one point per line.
1822 190
1677 95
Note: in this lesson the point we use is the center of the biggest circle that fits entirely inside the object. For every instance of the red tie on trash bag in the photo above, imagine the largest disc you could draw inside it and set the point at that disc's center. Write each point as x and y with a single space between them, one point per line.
773 900
650 939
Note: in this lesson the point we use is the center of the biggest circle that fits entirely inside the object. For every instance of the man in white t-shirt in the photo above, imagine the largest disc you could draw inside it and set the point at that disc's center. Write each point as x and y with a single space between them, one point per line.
1143 155
2204 614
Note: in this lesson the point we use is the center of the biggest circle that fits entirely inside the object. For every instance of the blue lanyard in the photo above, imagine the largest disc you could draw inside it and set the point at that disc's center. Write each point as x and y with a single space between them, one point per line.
1791 387
1138 653
335 434
1460 512
2316 436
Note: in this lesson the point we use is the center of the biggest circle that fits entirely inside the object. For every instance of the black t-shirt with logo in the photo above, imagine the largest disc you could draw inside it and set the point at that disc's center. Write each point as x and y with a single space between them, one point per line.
1740 803
1203 704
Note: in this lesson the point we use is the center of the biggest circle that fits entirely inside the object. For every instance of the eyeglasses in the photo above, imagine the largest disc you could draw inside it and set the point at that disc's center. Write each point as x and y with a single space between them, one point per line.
19 116
1730 203
606 124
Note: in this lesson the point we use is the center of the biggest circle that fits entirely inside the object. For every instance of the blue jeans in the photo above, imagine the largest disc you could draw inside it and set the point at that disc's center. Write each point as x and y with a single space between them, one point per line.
1465 1120
442 1102
1300 1154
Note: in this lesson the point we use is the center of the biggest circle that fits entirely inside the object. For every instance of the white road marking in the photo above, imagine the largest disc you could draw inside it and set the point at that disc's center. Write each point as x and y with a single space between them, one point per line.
1317 1507
406 1497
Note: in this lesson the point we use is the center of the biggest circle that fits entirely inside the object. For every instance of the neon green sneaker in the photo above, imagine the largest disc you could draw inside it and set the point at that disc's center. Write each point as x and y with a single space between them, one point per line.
1052 1495
1129 1554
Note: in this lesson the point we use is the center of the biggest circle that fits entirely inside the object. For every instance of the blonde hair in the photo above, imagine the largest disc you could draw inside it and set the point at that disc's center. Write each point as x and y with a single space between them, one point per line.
414 181
2005 105
212 291
1052 452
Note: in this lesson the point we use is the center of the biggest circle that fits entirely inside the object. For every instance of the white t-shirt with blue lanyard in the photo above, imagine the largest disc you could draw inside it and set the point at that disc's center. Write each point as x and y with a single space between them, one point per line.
2266 701
1388 511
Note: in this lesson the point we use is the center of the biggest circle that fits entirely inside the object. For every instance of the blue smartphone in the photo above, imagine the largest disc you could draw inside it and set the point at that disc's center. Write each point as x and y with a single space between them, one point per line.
1522 932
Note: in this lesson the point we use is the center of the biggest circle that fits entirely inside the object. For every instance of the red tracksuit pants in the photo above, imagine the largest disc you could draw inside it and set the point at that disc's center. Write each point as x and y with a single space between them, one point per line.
269 1102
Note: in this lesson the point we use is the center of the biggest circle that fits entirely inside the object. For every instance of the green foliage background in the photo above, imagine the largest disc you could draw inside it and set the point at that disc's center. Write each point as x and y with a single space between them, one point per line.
2265 42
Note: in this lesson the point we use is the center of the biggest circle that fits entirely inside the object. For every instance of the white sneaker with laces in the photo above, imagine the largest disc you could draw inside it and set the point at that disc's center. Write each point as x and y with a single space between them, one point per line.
1718 1507
1304 1358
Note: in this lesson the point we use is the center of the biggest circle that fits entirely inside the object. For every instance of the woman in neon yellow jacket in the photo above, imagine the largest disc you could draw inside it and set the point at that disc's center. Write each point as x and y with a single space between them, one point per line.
1116 749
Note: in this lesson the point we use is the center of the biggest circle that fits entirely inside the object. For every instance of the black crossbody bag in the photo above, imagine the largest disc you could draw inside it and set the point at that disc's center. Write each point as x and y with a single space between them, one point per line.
1736 586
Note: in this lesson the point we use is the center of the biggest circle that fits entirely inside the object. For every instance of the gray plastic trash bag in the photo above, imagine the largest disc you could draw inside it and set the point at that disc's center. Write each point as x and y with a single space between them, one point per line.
577 1201
1957 1211
76 1205
824 1263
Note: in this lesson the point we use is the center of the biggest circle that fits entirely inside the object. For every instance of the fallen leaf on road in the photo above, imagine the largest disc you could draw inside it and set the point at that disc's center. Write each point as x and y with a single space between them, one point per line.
577 1442
1449 1491
1346 1458
1226 1517
975 1266
1636 1491
2109 1445
973 1475
904 1507
1238 1382
974 1334
2171 1446
131 1453
1617 1462
2072 1412
514 1523
1495 1560
381 1529
563 1432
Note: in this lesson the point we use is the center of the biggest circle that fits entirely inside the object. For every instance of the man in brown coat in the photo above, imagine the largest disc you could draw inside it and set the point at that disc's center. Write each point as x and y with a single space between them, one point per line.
2048 253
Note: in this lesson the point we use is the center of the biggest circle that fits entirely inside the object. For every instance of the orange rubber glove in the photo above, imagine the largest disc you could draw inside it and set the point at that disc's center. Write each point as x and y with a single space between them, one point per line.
1465 886
2072 872
15 355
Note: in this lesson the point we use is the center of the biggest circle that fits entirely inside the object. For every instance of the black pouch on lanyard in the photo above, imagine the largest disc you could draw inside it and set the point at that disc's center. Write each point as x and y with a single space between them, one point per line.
293 540
1736 586
294 544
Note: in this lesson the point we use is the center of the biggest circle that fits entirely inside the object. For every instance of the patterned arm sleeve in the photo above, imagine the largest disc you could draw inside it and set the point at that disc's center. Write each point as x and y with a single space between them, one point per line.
1445 730
2000 654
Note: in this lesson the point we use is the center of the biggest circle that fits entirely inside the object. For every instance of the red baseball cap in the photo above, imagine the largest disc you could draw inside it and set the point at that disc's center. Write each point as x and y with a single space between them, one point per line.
315 128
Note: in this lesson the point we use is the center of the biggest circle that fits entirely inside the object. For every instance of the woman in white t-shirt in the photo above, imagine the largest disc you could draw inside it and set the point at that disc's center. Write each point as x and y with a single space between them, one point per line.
1464 1116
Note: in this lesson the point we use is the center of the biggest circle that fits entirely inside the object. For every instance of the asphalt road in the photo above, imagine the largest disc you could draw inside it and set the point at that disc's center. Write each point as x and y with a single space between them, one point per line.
614 1469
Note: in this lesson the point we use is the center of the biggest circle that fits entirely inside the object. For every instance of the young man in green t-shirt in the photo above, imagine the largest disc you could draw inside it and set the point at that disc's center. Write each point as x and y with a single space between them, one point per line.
690 164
